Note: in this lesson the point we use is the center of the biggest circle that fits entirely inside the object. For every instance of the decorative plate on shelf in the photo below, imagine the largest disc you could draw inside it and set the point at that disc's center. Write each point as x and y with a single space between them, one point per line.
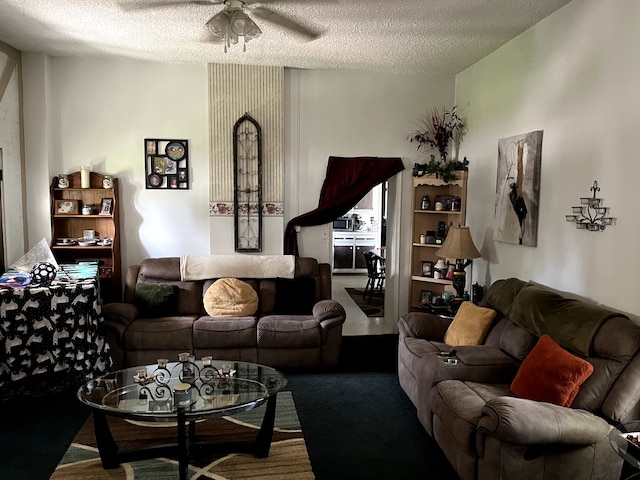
175 150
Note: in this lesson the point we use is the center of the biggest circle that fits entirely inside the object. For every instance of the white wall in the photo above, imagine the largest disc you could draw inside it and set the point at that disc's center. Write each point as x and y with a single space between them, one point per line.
350 114
573 76
99 112
38 147
13 214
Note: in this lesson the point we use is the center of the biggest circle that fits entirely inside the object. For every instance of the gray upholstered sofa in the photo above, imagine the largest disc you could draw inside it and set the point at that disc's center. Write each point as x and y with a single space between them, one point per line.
297 325
484 429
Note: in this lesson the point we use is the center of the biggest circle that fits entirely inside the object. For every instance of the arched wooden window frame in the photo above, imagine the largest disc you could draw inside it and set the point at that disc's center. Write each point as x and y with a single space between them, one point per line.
247 193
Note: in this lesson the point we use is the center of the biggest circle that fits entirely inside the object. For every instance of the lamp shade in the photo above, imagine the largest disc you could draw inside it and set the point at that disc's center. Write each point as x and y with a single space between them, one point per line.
458 244
219 24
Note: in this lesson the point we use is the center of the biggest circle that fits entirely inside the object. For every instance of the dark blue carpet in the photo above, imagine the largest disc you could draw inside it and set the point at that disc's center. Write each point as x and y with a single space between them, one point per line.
357 422
363 426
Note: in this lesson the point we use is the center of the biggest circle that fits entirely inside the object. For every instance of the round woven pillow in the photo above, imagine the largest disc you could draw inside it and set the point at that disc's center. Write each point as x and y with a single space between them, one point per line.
230 297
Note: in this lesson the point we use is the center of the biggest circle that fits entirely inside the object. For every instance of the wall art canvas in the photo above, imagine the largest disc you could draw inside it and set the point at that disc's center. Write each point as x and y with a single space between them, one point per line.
518 189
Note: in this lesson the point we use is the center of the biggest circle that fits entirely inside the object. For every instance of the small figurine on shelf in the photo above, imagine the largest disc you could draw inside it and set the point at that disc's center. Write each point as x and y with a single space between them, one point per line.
441 232
63 181
107 182
440 269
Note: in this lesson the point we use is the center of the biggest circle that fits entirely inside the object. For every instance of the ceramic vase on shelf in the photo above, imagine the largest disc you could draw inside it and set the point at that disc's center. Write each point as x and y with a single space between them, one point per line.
63 180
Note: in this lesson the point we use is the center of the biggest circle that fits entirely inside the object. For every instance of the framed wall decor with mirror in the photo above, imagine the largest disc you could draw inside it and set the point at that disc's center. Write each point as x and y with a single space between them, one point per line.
166 164
247 182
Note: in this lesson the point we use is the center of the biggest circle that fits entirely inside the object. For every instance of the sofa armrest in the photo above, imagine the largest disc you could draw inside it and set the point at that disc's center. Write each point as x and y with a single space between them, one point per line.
123 313
425 325
528 422
329 313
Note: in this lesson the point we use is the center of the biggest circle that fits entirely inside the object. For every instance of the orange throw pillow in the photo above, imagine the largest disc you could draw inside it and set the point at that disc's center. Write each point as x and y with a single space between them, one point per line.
550 374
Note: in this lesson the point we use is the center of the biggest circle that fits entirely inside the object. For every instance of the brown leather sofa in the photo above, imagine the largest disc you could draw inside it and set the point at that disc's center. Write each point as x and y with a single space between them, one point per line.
485 430
277 335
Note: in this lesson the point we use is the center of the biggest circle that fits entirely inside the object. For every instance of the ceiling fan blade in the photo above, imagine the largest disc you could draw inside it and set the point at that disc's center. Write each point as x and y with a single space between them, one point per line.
145 5
269 15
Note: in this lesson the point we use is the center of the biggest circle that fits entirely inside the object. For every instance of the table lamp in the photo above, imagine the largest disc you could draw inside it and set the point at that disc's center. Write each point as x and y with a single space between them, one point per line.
459 245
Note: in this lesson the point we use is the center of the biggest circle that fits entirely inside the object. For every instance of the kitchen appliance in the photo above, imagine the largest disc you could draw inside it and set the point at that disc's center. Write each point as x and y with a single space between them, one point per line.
343 223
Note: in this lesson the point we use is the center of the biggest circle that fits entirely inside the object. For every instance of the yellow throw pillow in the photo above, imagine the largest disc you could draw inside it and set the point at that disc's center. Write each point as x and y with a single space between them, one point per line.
470 325
230 297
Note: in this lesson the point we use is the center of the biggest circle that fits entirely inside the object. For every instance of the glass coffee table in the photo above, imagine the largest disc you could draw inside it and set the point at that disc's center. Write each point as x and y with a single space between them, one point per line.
183 392
625 441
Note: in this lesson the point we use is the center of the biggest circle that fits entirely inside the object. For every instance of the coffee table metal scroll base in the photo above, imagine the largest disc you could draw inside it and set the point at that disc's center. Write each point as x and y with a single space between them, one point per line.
112 457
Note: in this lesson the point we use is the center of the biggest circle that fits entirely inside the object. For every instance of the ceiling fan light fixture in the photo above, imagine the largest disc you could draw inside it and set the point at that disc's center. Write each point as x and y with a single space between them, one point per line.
232 23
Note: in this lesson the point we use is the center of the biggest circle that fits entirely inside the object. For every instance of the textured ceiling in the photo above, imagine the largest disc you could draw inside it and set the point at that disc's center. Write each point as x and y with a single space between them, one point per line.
412 36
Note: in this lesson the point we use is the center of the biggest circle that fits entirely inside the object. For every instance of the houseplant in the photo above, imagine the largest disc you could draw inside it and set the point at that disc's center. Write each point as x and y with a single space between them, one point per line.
437 130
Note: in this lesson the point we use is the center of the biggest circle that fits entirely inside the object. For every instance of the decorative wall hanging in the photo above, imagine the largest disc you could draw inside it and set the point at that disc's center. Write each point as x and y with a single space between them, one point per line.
518 189
591 214
234 90
166 163
247 184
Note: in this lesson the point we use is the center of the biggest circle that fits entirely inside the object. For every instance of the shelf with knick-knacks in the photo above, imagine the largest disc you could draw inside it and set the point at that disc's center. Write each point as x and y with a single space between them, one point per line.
437 205
85 225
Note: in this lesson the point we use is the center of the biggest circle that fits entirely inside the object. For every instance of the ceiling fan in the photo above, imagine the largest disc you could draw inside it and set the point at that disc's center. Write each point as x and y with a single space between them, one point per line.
232 22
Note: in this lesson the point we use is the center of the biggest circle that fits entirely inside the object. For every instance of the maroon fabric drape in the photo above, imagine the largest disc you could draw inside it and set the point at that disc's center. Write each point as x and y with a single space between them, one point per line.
347 181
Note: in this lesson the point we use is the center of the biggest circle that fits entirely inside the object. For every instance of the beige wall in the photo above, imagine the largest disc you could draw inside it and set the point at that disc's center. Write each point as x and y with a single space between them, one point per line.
574 75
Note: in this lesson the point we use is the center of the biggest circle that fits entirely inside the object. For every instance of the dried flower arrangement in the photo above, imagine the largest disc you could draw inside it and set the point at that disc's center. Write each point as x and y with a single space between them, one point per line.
437 130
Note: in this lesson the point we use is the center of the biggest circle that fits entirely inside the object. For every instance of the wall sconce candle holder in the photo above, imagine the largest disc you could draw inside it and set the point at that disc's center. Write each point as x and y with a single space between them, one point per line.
591 214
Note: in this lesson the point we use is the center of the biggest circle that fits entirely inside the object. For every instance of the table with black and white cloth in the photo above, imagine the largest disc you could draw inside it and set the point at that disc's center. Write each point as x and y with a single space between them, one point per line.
53 330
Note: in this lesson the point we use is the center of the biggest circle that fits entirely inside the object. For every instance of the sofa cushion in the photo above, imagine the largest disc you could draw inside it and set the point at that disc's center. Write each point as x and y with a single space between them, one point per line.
458 404
470 325
167 333
550 374
295 296
230 297
156 299
282 331
226 332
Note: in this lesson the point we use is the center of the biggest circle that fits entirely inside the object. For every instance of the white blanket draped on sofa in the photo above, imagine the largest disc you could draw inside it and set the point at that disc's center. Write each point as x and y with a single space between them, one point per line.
203 267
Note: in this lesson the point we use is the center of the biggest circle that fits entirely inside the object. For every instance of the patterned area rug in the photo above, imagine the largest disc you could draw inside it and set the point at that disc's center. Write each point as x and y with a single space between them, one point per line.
288 458
373 307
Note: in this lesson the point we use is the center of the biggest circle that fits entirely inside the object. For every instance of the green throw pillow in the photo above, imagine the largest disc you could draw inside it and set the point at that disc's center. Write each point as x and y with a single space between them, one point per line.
156 299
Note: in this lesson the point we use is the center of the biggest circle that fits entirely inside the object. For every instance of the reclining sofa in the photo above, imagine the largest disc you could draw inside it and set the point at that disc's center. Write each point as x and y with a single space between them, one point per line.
466 401
296 324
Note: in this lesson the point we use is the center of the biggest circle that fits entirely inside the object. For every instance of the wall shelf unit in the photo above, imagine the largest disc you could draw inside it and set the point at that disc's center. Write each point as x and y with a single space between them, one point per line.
425 220
68 222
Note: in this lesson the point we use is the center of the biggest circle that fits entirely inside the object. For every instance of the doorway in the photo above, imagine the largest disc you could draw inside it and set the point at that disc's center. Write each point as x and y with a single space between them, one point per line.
365 316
